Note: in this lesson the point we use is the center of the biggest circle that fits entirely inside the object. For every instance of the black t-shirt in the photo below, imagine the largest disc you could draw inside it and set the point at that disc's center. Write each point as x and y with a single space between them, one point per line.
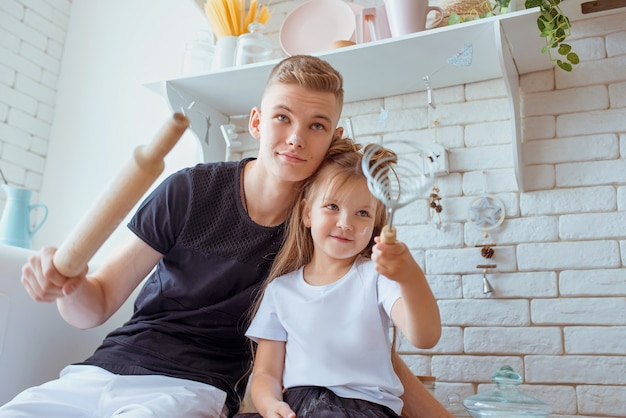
192 312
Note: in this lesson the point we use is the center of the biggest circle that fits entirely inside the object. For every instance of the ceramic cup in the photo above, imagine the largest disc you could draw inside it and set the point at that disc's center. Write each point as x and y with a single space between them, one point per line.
409 16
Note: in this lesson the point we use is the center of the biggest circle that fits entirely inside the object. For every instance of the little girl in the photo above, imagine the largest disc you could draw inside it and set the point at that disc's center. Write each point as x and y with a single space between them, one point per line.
322 325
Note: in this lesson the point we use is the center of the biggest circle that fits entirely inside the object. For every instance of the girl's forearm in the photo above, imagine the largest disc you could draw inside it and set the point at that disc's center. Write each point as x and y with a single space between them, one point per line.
421 312
266 391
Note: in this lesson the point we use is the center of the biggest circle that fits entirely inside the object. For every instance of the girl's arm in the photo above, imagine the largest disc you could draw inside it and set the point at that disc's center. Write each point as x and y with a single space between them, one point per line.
418 401
416 313
266 385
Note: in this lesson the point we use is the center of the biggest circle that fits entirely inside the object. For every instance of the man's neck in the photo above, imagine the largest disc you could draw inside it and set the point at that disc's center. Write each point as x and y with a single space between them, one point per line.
268 202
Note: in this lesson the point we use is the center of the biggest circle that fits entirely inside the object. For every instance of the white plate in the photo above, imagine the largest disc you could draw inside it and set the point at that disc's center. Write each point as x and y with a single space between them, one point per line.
315 25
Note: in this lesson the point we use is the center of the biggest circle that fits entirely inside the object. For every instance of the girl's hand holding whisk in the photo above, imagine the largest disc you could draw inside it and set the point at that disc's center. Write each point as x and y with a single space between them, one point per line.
395 261
416 313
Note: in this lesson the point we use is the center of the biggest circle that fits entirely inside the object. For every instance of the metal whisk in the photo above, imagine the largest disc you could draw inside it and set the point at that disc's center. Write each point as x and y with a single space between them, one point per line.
397 180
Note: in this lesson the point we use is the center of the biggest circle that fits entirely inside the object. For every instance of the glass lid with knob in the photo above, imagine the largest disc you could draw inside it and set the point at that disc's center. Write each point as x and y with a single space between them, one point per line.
506 400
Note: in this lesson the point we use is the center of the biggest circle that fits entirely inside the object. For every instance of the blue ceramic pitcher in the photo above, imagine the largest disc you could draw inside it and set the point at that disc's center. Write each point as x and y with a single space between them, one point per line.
15 224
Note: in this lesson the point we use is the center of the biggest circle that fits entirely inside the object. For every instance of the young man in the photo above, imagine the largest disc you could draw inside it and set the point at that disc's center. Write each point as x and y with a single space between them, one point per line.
212 231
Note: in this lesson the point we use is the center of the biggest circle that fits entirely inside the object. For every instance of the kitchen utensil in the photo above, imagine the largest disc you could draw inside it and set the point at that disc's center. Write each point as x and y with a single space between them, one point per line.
371 23
409 16
376 21
313 26
118 199
506 400
15 224
397 180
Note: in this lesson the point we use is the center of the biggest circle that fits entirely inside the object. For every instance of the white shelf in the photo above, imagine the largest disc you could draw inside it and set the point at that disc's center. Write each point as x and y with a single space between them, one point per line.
384 68
503 46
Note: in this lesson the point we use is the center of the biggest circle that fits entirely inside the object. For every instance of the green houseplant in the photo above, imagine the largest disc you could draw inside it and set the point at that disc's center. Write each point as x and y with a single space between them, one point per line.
555 27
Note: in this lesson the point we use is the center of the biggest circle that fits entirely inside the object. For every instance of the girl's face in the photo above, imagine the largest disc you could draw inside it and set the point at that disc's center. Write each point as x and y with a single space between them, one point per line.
341 221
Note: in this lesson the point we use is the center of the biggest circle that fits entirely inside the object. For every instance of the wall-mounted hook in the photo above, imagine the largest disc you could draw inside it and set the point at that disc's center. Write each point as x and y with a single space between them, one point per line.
229 134
348 131
183 110
429 92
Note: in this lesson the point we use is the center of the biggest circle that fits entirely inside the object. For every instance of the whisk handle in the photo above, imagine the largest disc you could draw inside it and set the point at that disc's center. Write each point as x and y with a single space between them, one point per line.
388 234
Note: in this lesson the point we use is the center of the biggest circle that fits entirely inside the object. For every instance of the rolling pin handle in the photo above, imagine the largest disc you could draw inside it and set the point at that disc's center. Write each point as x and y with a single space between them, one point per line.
155 151
118 199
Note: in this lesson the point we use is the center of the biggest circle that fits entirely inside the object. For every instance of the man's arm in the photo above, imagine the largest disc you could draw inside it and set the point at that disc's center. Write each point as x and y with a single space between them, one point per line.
418 401
86 301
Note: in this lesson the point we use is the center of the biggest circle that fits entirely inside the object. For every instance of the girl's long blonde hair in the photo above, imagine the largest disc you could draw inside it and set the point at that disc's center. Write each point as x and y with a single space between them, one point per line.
342 163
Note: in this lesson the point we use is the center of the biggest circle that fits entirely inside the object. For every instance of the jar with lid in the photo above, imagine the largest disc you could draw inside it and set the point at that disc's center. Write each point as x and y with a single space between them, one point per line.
199 53
253 46
506 400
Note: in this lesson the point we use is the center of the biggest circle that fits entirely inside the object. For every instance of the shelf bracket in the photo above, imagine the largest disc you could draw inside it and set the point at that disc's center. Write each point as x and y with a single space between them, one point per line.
204 121
511 83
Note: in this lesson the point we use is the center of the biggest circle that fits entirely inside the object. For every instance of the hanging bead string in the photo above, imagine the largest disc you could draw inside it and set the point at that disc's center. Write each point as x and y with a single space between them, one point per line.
435 200
461 58
435 203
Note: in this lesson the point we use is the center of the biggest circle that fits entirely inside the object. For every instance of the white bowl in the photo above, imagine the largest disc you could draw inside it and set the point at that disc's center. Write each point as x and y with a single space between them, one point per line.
314 26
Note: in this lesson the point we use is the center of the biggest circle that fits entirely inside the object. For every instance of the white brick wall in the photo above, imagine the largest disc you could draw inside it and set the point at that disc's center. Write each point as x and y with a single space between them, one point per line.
31 48
558 313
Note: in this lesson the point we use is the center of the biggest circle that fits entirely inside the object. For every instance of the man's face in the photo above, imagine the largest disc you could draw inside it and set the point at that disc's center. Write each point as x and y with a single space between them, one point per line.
295 127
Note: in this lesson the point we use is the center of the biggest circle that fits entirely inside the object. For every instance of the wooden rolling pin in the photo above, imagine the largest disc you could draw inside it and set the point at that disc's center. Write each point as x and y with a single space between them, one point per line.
118 199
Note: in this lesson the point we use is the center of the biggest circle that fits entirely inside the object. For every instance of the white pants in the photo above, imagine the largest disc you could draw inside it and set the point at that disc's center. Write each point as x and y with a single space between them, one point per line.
88 391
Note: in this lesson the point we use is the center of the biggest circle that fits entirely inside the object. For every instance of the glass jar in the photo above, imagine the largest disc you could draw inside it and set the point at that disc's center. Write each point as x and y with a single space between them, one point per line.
199 54
454 406
253 46
506 400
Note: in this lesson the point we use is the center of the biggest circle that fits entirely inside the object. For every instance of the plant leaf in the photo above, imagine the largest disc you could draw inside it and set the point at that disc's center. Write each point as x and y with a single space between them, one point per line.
555 27
564 49
566 66
453 19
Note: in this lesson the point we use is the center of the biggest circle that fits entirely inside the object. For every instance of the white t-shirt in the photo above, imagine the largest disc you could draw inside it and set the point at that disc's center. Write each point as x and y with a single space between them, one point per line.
337 335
